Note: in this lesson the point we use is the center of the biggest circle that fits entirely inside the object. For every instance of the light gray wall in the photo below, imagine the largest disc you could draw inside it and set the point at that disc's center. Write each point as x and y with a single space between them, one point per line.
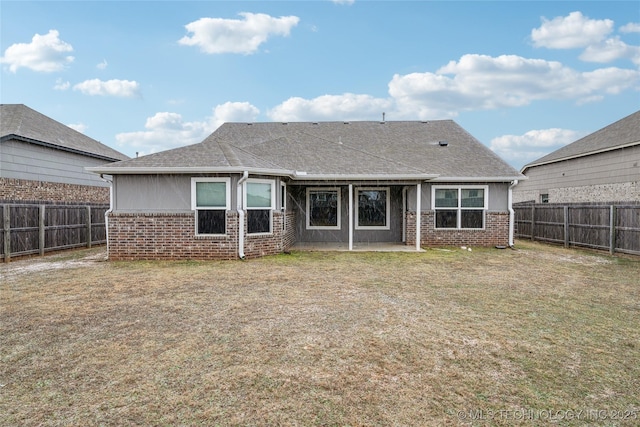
498 195
22 160
613 170
163 193
298 203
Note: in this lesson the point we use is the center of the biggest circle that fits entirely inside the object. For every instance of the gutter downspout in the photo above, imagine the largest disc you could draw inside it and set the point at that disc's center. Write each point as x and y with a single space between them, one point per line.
240 208
418 215
106 214
511 212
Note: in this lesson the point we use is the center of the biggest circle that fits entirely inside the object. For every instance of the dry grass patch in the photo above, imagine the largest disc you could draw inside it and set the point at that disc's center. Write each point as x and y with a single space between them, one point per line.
359 339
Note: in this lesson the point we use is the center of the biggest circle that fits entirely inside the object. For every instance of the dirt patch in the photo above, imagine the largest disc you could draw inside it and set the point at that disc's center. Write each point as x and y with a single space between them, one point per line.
67 259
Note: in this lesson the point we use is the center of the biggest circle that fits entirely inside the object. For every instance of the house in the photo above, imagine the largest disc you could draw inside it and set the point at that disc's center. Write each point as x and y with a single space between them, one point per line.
252 189
601 167
42 160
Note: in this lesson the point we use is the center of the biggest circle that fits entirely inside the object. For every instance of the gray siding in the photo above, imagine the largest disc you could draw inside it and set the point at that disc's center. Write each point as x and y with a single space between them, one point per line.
20 160
596 171
298 202
498 195
163 193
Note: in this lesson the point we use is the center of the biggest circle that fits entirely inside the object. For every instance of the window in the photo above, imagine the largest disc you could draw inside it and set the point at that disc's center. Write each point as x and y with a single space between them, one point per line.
372 208
210 199
544 198
460 207
259 202
323 208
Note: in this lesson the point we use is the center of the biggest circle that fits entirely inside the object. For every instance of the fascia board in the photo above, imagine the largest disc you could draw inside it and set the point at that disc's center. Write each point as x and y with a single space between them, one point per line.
115 170
15 137
577 156
294 175
479 178
363 177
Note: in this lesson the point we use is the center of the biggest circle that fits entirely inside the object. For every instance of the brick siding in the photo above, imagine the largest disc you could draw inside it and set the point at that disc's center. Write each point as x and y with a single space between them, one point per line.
135 236
27 191
496 231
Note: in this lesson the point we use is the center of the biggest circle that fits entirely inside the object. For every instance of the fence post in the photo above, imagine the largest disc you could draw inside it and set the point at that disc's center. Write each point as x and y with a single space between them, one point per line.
566 226
7 232
612 229
41 229
88 224
533 221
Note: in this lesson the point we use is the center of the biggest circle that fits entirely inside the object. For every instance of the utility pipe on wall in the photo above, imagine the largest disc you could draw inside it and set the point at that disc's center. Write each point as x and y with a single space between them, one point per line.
418 215
511 212
240 208
106 214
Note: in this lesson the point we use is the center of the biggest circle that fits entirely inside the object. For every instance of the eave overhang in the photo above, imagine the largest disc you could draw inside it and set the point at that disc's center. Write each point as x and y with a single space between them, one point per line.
57 147
577 156
479 178
293 175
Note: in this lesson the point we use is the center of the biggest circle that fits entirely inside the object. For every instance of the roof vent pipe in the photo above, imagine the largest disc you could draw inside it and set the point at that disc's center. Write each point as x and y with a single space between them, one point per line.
383 116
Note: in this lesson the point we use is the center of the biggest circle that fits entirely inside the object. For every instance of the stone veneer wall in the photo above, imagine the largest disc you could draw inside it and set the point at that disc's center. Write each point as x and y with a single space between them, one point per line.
136 236
496 231
27 191
618 192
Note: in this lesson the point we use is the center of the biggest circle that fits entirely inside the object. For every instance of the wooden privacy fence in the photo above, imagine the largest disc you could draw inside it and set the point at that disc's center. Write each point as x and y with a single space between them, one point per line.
612 227
27 229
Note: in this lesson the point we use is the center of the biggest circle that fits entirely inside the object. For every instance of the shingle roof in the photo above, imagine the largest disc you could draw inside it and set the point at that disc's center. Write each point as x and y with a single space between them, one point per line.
17 121
620 134
332 149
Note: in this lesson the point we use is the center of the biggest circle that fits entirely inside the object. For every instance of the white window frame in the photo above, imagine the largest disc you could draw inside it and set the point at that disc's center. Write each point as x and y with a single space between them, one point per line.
261 208
388 207
339 208
459 208
195 208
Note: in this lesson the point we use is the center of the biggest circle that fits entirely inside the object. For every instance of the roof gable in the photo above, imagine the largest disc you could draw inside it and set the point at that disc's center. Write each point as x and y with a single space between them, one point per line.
17 121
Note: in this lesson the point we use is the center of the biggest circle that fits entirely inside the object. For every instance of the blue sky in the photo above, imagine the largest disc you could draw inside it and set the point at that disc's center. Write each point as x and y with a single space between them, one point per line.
523 77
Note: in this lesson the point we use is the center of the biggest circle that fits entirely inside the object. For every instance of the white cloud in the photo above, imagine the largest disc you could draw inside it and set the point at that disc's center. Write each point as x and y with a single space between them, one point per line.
578 31
522 149
349 2
611 50
572 31
46 53
166 130
119 88
480 82
103 65
631 27
347 106
80 127
234 112
474 82
61 85
218 35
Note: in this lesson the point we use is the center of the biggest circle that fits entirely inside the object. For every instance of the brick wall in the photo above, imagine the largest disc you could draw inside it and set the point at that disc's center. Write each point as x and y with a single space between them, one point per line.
496 231
289 238
167 237
27 191
172 237
266 244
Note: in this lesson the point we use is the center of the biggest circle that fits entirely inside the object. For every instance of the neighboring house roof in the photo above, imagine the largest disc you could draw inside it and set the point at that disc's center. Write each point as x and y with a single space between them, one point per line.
623 133
17 121
332 150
